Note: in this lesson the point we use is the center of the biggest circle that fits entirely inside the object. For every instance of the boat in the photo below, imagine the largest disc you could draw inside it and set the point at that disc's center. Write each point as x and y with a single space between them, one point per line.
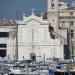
22 69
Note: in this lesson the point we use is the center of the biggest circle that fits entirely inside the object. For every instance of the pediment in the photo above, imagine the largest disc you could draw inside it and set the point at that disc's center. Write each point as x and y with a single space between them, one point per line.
33 20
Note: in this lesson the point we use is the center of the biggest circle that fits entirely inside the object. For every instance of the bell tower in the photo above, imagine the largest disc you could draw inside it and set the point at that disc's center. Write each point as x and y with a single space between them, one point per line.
52 5
53 13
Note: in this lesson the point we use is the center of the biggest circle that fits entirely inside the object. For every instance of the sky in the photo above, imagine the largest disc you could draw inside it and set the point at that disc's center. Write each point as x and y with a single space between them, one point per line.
13 9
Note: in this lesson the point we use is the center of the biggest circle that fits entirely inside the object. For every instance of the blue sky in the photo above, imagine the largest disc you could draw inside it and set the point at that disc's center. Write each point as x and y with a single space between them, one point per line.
12 9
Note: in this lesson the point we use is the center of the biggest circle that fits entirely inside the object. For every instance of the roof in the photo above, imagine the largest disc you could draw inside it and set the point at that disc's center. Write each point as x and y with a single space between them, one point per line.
40 18
39 15
67 17
5 22
45 15
70 8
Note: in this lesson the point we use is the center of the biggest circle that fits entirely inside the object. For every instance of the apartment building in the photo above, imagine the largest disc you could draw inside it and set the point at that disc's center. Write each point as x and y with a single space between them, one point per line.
61 15
7 36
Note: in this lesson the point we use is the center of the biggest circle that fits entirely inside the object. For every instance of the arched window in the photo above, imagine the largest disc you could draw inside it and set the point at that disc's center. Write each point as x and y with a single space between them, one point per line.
52 3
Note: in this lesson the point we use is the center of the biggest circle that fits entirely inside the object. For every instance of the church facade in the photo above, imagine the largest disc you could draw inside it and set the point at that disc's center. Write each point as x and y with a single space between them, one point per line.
34 37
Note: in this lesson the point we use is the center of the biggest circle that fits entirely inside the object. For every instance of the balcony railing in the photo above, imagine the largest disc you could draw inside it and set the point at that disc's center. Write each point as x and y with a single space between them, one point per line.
66 17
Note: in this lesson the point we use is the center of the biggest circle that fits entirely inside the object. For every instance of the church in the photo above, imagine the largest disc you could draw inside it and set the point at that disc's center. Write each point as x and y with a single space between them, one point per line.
34 38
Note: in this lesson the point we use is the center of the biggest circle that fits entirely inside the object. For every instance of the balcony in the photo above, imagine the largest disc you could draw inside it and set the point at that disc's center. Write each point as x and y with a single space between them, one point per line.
66 17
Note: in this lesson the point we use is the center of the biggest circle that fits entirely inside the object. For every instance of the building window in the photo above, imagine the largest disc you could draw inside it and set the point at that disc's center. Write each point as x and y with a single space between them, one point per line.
71 23
4 34
63 23
3 46
71 13
72 33
2 52
53 20
60 5
52 3
68 5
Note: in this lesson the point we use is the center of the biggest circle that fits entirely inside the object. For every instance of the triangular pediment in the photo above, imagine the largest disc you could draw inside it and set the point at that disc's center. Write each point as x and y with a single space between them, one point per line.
33 20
